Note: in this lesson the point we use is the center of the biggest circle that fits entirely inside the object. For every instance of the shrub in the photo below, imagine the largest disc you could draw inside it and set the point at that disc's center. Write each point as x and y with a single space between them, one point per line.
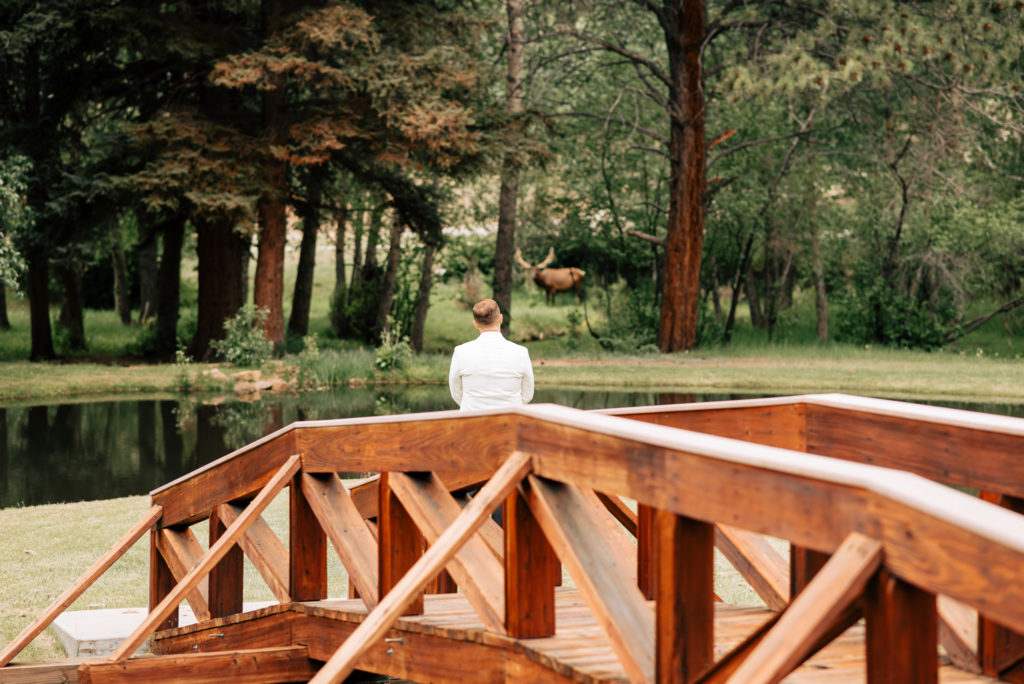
244 342
394 349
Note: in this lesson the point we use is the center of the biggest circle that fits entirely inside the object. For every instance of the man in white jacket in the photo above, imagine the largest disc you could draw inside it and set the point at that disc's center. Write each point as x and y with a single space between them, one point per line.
490 371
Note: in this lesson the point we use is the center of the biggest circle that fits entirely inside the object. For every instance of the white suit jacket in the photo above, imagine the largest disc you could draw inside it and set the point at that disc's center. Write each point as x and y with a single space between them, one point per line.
490 372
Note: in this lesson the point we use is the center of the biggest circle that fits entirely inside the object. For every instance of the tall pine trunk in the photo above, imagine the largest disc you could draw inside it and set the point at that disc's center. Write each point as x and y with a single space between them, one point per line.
298 321
339 298
419 318
122 300
218 247
505 243
684 23
5 322
387 292
71 315
146 256
39 305
168 300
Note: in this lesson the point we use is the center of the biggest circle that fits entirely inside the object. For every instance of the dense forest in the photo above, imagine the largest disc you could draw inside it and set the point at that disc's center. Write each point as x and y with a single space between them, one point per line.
688 155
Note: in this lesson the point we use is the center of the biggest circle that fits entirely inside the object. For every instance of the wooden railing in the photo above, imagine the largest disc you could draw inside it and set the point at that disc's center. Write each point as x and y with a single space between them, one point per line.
890 545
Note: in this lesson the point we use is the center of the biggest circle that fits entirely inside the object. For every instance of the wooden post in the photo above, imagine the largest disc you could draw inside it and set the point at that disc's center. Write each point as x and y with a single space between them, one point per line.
226 578
307 557
902 632
530 566
645 550
399 543
161 581
998 647
804 564
684 593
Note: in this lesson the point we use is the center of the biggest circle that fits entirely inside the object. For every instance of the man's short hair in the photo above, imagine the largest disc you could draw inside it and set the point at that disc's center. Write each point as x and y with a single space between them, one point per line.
486 312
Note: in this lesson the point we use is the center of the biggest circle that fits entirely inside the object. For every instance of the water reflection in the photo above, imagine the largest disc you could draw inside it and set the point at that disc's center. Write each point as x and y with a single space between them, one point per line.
101 450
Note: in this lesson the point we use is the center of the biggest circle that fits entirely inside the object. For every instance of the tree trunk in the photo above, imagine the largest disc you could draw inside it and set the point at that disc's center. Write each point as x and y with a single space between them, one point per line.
684 22
220 282
5 322
387 291
753 301
168 295
149 278
71 316
505 243
298 321
357 251
339 297
39 306
419 319
122 300
268 289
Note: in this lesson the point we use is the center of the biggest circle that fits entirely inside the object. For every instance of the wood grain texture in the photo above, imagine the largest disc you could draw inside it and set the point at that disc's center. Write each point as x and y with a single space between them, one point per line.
84 581
251 666
399 544
226 577
181 551
307 552
352 541
575 530
264 549
684 597
902 632
812 612
187 584
161 581
473 567
392 605
958 633
529 571
758 562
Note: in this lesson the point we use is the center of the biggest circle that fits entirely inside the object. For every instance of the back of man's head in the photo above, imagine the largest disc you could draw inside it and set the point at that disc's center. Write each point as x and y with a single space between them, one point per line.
486 313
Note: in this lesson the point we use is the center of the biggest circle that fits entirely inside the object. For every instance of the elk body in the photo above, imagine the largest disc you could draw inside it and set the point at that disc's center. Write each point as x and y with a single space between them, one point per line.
553 280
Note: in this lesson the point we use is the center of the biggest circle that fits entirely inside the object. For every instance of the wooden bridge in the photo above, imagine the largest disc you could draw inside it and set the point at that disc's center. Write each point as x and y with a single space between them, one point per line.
892 574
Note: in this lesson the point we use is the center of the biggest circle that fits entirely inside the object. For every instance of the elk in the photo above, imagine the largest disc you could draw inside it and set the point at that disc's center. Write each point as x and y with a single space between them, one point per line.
553 280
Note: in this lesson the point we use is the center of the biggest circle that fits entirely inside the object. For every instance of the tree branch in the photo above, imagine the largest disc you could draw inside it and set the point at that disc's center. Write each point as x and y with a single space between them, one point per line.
976 323
611 119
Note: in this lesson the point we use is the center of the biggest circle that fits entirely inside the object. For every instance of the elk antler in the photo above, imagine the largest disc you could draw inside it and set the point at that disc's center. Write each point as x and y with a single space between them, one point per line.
521 261
548 259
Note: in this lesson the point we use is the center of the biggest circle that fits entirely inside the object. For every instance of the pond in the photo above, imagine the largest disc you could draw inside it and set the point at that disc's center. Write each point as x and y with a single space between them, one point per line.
107 449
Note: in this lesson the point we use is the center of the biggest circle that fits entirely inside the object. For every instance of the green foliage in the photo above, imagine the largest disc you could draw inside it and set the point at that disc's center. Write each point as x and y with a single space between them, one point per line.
394 351
245 343
876 312
15 217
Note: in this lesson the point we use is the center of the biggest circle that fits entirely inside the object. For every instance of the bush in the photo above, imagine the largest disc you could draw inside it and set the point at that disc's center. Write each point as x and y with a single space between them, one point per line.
394 349
244 342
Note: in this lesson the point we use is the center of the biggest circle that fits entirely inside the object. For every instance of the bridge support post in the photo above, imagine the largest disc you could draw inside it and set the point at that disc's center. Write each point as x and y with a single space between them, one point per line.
645 550
161 581
804 564
307 557
399 543
226 577
530 567
684 591
902 632
1001 650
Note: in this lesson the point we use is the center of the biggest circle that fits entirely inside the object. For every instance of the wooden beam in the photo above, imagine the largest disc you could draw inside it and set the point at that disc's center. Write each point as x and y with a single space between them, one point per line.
399 544
999 648
181 551
958 633
758 562
52 672
307 553
252 666
645 565
264 549
474 568
530 565
210 559
83 582
623 513
490 531
392 605
580 538
161 580
812 612
902 632
351 538
684 578
227 576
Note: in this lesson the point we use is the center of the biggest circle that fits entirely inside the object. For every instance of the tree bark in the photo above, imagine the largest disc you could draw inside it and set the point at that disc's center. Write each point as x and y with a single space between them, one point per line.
298 321
5 322
122 300
39 306
168 300
684 22
387 291
505 243
339 297
220 282
149 278
268 289
419 319
71 316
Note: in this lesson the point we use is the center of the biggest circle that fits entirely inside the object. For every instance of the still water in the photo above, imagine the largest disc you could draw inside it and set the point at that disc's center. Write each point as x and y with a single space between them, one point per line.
102 450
